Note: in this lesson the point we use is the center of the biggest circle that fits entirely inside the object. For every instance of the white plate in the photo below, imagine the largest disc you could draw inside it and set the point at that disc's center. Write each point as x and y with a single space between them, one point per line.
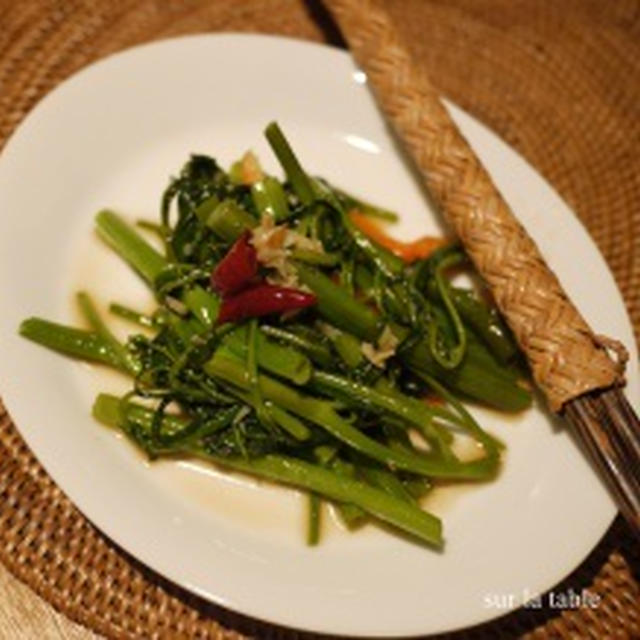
111 136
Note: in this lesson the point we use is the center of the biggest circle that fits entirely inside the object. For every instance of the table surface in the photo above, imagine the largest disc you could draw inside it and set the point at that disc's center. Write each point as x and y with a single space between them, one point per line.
24 616
560 37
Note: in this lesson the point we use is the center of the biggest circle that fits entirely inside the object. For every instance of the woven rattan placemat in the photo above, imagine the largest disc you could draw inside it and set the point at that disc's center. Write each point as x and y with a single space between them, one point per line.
560 81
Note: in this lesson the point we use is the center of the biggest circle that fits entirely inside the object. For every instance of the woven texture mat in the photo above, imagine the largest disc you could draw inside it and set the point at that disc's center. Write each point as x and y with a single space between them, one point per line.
560 81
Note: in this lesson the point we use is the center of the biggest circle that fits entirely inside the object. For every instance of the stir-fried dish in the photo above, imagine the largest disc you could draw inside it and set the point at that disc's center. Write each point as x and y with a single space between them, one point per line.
294 340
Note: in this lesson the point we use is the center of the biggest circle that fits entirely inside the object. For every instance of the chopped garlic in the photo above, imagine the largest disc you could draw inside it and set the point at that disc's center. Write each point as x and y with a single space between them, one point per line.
385 348
328 329
250 168
287 278
273 244
298 241
176 305
269 242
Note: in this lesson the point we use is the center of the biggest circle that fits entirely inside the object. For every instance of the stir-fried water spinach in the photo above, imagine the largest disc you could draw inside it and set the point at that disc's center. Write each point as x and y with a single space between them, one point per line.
292 340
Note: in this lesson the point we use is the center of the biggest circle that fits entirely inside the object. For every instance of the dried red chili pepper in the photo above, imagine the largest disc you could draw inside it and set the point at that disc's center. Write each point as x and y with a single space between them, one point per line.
236 270
262 300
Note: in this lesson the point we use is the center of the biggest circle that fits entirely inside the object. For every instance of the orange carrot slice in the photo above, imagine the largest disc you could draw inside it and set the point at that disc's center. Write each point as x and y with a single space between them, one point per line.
407 251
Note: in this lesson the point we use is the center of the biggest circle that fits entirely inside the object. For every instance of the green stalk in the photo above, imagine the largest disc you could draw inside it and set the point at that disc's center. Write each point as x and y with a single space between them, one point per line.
351 202
262 409
480 354
206 208
229 220
314 520
270 199
129 245
303 475
468 422
327 457
203 304
387 482
300 182
281 360
315 350
315 257
484 321
398 513
107 409
292 425
470 378
386 262
322 413
127 360
131 315
137 422
455 354
185 328
159 230
352 515
77 343
348 348
417 487
338 306
473 379
487 325
409 409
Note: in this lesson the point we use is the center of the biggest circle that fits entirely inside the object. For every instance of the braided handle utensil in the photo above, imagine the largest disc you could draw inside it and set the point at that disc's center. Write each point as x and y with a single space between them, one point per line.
569 362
